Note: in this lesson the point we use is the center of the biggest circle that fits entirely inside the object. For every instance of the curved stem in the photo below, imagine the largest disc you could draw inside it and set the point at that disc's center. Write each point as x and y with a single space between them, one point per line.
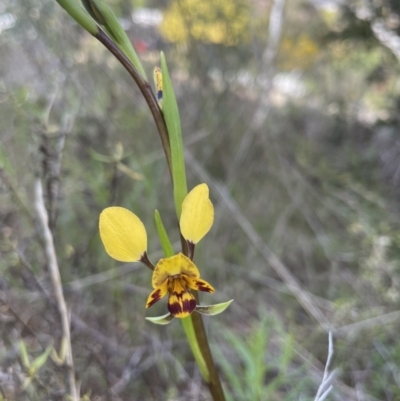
144 87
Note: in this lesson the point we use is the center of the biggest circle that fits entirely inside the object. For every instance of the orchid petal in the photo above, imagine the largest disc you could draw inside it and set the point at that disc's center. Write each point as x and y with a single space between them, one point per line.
181 302
198 284
197 214
157 294
123 234
177 264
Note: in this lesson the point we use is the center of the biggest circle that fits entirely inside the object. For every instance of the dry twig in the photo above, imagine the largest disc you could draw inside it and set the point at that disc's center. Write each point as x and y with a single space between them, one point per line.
326 387
52 267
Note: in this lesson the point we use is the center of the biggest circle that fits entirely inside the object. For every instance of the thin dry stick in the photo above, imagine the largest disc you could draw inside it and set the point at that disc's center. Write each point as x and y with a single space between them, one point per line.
271 283
326 387
52 267
283 272
53 167
77 322
354 328
99 278
295 191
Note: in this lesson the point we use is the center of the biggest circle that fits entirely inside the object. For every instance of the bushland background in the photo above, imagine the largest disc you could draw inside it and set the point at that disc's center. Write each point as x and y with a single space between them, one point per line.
290 112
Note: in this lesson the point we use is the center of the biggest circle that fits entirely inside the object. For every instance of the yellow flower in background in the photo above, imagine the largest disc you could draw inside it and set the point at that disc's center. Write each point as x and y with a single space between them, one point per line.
125 239
222 22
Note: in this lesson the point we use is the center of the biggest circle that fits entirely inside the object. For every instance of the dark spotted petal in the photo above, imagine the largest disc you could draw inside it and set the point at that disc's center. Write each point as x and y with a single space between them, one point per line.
157 294
181 304
199 284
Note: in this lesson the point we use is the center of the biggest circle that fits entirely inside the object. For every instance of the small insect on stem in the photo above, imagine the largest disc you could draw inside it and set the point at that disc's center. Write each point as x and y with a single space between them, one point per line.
159 85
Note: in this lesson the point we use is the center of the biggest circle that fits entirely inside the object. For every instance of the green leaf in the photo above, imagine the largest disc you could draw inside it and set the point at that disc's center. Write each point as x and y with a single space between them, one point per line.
104 16
212 310
163 320
165 242
41 359
24 354
94 13
171 114
78 13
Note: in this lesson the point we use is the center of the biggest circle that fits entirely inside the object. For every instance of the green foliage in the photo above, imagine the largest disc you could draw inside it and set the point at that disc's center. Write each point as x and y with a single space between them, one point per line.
255 370
104 16
77 12
162 234
33 367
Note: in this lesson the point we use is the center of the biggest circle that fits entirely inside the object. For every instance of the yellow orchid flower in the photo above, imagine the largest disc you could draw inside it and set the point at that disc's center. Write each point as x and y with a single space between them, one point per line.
176 275
125 239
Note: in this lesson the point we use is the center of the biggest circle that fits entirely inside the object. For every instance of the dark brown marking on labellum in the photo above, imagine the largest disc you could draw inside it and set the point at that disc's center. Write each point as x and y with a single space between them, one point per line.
203 286
156 296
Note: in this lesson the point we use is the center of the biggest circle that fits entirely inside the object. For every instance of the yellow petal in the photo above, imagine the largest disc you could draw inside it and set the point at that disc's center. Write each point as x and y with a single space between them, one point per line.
198 284
123 234
181 302
157 294
197 214
172 266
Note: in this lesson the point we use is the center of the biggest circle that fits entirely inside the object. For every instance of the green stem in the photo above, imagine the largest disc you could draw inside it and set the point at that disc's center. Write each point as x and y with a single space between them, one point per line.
214 381
190 332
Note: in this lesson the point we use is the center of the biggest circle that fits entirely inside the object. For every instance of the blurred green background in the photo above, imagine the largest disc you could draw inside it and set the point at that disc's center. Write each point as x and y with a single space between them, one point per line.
290 113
